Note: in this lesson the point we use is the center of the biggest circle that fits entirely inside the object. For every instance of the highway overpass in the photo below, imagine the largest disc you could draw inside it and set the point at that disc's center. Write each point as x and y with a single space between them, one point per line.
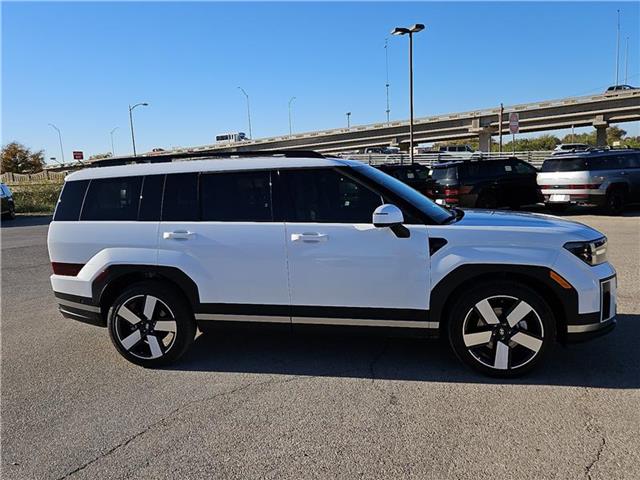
598 111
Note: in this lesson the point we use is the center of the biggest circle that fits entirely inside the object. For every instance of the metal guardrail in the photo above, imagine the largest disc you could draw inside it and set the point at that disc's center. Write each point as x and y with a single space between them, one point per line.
535 158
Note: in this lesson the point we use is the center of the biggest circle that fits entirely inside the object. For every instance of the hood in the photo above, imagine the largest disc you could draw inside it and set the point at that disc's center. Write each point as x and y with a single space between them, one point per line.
522 221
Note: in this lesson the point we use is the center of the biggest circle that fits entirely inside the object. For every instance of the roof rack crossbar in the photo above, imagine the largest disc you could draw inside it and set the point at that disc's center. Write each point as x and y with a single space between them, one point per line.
203 155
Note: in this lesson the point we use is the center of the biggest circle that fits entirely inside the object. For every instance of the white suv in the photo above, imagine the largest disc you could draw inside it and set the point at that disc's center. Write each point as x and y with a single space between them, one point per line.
157 250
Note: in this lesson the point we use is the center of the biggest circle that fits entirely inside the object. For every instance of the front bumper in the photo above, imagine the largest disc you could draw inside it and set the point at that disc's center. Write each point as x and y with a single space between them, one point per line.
589 325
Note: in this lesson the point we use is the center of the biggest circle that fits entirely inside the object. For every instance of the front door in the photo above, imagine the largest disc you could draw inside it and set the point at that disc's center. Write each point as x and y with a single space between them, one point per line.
342 269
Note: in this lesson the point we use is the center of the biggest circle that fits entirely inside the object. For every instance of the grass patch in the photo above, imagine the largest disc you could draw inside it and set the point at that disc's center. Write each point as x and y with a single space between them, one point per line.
36 197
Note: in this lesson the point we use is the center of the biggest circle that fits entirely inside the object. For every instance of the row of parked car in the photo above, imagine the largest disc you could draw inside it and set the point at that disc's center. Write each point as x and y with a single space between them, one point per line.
606 178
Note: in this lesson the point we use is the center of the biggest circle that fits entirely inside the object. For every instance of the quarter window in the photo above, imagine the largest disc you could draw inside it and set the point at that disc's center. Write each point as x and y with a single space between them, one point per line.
236 197
327 196
70 202
112 199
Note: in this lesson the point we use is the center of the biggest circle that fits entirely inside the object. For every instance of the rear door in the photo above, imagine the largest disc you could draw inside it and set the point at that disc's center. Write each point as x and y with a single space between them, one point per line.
631 169
220 230
342 269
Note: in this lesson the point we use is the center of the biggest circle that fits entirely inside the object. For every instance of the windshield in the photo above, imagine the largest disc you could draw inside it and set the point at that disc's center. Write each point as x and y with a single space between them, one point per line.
436 212
564 165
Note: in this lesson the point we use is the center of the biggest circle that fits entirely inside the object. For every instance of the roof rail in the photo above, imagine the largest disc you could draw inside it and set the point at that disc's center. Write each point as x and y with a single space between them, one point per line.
203 155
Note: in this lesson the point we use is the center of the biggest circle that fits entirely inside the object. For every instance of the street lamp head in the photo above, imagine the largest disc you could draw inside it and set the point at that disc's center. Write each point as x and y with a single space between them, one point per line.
399 31
144 104
416 28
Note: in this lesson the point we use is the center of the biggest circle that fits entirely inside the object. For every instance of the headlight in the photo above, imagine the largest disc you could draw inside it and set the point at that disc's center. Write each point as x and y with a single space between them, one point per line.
592 253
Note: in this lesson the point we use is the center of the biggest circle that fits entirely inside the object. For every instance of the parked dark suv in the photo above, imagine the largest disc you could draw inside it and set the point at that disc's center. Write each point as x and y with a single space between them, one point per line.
415 175
507 182
8 205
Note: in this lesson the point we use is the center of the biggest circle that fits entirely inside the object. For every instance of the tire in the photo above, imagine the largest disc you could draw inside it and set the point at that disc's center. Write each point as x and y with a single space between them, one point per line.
557 207
501 329
134 324
487 200
11 214
615 201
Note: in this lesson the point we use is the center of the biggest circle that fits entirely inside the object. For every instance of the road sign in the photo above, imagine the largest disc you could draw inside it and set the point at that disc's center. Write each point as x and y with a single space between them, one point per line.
514 123
77 155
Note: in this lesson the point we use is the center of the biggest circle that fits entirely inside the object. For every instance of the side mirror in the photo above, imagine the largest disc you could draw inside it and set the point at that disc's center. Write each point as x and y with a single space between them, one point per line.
387 215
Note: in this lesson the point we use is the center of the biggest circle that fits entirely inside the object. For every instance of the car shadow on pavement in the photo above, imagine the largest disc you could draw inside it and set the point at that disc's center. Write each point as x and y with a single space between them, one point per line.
612 361
27 221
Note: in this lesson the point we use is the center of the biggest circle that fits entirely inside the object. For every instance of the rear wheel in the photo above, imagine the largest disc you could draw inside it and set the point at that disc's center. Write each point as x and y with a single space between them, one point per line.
615 201
150 325
501 329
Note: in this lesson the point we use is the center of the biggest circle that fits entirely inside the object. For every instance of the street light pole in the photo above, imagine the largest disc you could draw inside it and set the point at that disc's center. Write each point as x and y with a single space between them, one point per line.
290 129
133 137
59 138
410 31
113 151
348 114
248 111
386 62
617 47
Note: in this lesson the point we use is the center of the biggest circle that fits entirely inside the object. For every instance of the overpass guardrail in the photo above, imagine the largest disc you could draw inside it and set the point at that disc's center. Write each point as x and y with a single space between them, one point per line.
535 158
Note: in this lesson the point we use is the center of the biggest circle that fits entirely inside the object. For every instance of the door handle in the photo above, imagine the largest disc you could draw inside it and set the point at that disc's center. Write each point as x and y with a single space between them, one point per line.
309 237
177 235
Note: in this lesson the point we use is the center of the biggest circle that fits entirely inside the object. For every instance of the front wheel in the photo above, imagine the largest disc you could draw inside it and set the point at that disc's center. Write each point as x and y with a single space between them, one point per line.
615 202
151 325
501 329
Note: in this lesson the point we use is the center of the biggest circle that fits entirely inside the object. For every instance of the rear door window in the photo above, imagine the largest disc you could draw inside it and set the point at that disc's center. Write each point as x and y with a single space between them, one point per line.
70 202
236 197
180 201
112 199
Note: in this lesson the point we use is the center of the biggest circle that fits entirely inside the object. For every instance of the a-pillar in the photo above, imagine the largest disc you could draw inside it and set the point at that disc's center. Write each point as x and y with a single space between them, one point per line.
485 141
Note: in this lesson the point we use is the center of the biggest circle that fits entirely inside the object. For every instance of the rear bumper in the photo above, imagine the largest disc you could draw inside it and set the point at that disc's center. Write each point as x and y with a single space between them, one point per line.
575 197
78 308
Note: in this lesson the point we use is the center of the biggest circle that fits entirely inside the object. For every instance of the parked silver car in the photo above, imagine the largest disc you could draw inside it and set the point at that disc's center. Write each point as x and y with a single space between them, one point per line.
608 178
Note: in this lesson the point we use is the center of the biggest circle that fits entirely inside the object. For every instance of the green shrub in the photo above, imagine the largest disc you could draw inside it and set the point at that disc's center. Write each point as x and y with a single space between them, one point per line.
36 197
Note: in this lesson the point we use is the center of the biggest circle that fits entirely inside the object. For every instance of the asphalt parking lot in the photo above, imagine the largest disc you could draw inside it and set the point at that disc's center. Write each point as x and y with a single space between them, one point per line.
302 407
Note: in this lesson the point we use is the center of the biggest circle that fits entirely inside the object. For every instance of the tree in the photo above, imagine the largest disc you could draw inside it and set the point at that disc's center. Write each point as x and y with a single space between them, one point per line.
17 158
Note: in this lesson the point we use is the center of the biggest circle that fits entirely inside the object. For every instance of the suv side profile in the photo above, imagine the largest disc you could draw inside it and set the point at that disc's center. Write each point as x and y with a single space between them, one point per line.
609 179
155 251
508 182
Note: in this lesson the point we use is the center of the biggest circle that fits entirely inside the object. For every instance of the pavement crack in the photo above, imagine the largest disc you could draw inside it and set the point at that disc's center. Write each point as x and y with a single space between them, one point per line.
169 416
596 458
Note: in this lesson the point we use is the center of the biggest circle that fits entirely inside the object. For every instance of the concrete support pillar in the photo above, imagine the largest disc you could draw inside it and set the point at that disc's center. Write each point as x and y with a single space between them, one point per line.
601 135
485 141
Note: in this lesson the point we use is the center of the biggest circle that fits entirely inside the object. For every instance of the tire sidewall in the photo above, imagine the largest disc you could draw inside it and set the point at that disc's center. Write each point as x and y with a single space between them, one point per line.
522 292
185 323
612 206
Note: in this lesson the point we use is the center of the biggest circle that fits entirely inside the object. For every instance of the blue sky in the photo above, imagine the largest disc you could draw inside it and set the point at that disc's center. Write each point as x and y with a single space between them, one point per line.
78 65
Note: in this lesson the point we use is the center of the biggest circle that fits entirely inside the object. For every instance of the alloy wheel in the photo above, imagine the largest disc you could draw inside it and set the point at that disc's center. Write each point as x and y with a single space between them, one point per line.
145 327
503 332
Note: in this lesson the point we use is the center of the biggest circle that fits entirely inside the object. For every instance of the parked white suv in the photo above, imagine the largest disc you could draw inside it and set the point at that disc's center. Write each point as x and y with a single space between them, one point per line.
156 250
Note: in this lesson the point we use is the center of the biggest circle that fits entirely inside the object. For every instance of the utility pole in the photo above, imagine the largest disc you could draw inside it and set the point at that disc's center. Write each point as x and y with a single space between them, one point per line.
618 47
59 138
290 129
248 111
499 128
626 62
386 60
113 151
